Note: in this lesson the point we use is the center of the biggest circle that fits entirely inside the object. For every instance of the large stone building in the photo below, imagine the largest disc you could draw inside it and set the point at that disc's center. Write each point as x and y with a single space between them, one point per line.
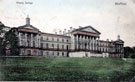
80 42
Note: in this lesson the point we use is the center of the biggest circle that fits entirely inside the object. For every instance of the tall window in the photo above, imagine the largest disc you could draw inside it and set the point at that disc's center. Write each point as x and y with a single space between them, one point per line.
52 39
57 39
62 53
46 38
46 45
34 52
28 52
62 46
58 46
41 45
67 47
57 53
52 45
67 40
62 40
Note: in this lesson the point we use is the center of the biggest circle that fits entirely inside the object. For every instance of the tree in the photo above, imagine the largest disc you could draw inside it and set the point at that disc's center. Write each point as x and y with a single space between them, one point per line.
129 52
1 39
11 41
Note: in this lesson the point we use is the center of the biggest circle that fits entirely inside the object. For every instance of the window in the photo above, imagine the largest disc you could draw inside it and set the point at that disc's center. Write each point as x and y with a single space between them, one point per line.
52 39
47 53
34 52
46 45
62 40
67 40
53 53
57 39
41 53
41 38
41 45
46 38
62 46
67 47
58 46
52 45
57 53
62 53
28 52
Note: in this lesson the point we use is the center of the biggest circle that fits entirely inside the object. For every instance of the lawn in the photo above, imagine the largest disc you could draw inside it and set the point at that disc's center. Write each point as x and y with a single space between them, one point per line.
67 69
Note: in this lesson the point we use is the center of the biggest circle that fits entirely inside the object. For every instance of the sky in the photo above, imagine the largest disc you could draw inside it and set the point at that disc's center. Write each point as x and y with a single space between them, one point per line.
49 16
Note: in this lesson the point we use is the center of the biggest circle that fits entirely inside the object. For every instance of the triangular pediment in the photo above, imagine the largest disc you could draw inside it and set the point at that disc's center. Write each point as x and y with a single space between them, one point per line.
88 29
29 27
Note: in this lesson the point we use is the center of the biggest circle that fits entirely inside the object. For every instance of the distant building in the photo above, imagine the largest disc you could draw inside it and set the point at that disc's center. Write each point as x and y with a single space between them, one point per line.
80 42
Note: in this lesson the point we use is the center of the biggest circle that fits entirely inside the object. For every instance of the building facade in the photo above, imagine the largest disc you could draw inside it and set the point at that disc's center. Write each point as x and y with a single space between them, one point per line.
80 42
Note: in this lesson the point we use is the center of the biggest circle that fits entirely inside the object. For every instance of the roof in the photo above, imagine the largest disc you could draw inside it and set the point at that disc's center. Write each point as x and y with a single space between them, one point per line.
89 29
119 41
29 27
55 35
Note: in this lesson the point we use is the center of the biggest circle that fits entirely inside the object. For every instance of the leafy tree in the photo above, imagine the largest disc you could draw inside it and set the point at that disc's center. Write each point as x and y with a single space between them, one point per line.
129 52
12 42
1 39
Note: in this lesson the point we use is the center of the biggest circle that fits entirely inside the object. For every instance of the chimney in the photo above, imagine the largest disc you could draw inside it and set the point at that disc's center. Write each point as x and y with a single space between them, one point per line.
64 30
107 39
60 32
118 37
55 32
68 31
71 29
28 20
80 26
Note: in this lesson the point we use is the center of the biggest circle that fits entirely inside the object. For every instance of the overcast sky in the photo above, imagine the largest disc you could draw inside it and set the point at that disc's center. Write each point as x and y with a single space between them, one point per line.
52 15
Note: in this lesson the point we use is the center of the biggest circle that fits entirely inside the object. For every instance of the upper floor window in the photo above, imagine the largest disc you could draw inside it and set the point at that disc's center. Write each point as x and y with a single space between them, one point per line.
41 38
46 38
62 40
67 47
67 40
58 46
52 39
62 46
46 45
57 39
52 45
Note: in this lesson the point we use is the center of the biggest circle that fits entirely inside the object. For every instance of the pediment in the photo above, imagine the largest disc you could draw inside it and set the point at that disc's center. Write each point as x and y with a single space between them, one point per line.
29 27
88 29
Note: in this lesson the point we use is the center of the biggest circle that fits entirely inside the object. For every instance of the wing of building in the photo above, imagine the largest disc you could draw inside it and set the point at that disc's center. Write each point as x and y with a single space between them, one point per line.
80 42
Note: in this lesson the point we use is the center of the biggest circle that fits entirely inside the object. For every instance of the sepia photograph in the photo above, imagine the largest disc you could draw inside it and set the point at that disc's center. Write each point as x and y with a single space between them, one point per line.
67 40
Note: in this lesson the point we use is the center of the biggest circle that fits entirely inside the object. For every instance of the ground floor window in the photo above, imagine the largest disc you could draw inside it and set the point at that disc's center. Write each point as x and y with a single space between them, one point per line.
62 53
28 52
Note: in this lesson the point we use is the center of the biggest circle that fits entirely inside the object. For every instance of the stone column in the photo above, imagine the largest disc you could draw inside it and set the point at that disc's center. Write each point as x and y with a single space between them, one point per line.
80 41
72 42
90 43
37 40
20 42
31 40
83 41
26 39
87 41
98 44
94 43
77 42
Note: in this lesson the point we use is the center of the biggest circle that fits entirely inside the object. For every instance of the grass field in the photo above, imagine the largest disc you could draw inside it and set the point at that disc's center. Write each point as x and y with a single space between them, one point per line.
67 69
